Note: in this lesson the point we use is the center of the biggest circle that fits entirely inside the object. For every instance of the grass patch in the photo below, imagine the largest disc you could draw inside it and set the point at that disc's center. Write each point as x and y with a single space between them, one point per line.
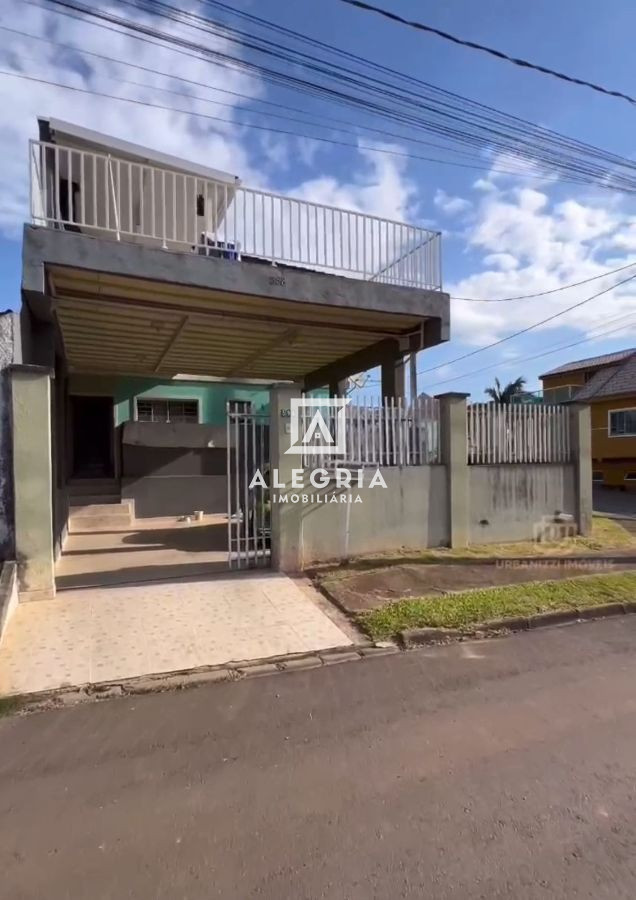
472 607
9 705
607 535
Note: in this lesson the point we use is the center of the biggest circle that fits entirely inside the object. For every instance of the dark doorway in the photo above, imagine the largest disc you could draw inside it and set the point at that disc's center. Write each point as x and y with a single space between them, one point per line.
92 424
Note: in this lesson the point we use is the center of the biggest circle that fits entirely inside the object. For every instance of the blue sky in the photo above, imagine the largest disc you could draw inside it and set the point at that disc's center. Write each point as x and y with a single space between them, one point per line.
502 235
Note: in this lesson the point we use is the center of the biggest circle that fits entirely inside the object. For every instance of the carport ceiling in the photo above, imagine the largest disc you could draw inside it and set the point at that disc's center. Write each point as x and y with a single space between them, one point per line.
131 326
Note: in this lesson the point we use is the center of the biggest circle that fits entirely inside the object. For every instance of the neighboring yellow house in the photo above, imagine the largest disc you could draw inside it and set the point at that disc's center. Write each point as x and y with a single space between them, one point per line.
608 384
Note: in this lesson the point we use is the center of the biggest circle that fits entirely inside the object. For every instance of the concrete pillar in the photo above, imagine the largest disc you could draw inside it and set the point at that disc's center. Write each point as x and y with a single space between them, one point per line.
454 455
393 377
286 518
413 376
33 481
581 450
339 388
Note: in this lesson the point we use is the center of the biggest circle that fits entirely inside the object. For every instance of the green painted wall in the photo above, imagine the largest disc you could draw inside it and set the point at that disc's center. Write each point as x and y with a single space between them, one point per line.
212 397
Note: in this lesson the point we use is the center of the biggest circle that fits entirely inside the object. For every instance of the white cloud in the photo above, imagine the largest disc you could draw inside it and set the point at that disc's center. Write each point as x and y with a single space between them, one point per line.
380 185
503 261
22 101
532 243
450 205
485 185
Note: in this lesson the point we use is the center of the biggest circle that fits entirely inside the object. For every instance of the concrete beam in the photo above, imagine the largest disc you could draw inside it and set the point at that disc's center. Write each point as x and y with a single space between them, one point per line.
360 361
65 248
171 341
393 378
286 337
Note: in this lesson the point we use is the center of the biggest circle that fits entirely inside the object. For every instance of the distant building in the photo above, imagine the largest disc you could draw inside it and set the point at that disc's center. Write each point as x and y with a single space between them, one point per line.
608 384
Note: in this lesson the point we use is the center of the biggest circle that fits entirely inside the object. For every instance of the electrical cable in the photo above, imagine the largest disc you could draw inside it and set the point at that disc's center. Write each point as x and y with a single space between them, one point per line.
499 54
564 287
528 328
521 360
457 119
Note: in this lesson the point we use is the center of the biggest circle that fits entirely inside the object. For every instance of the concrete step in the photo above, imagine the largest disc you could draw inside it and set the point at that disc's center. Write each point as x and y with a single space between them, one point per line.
76 508
81 500
99 517
94 487
86 524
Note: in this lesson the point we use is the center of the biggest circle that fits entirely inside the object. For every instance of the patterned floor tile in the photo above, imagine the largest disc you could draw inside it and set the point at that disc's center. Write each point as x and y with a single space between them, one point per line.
102 634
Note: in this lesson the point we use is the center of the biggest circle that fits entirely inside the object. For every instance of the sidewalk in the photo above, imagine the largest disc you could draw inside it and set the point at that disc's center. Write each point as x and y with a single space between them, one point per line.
104 634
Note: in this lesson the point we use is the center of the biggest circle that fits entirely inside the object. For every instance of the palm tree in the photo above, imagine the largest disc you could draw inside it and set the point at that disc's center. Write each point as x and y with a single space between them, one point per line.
506 394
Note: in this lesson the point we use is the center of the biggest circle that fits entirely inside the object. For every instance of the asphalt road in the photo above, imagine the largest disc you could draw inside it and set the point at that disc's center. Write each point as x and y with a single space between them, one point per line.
504 769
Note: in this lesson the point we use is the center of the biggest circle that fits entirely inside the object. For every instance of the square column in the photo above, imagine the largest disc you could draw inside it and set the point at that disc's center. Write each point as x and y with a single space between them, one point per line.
454 455
393 377
33 481
581 455
286 518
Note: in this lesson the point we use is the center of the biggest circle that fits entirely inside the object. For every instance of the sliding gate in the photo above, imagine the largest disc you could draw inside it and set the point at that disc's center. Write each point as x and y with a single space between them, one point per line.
248 508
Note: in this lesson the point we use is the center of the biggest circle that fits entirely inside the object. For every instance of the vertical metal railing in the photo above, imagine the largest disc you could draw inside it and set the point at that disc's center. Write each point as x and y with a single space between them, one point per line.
81 189
378 432
248 506
517 433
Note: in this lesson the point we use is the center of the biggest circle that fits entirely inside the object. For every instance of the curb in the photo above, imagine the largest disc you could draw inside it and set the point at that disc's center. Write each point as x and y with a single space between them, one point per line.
192 678
417 637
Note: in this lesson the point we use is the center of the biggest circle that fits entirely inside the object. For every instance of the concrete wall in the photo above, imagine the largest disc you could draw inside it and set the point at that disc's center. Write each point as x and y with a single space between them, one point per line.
450 503
173 470
174 495
411 512
506 502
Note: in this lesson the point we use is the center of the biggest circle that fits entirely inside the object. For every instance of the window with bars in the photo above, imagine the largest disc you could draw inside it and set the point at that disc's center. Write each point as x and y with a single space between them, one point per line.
622 423
240 406
152 410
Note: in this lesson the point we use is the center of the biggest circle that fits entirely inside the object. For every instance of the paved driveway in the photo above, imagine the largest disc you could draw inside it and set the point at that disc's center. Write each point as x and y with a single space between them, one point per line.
103 634
616 504
501 769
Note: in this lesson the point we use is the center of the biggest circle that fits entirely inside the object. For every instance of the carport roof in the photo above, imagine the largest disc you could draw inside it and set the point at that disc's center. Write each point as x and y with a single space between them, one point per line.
126 325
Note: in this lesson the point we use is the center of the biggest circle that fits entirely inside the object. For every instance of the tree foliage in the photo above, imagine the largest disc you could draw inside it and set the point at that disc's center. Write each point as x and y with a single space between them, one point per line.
505 394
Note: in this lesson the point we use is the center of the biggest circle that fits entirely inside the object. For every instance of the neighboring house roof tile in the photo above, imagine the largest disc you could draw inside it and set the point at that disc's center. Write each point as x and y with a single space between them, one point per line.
591 361
610 382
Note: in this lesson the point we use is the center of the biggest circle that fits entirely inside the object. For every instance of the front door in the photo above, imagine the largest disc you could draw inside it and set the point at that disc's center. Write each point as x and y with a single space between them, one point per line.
92 428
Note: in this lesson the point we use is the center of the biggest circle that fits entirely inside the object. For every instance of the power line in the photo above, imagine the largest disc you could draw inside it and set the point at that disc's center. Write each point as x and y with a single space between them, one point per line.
188 112
506 364
499 54
189 81
528 328
375 90
595 334
564 287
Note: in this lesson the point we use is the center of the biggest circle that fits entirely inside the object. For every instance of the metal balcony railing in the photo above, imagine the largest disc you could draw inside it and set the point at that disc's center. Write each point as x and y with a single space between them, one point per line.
102 194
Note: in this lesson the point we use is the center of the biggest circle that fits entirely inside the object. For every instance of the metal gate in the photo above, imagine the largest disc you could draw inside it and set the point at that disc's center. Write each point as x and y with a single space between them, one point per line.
248 508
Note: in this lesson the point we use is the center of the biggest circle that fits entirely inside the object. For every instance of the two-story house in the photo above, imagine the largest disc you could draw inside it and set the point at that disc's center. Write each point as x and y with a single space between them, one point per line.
149 285
608 384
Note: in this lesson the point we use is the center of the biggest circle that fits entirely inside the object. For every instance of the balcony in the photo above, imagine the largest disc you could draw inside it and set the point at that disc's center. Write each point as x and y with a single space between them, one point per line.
111 196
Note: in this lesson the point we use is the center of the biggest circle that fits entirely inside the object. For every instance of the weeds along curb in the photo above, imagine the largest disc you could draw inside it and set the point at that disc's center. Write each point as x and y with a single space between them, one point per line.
416 637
